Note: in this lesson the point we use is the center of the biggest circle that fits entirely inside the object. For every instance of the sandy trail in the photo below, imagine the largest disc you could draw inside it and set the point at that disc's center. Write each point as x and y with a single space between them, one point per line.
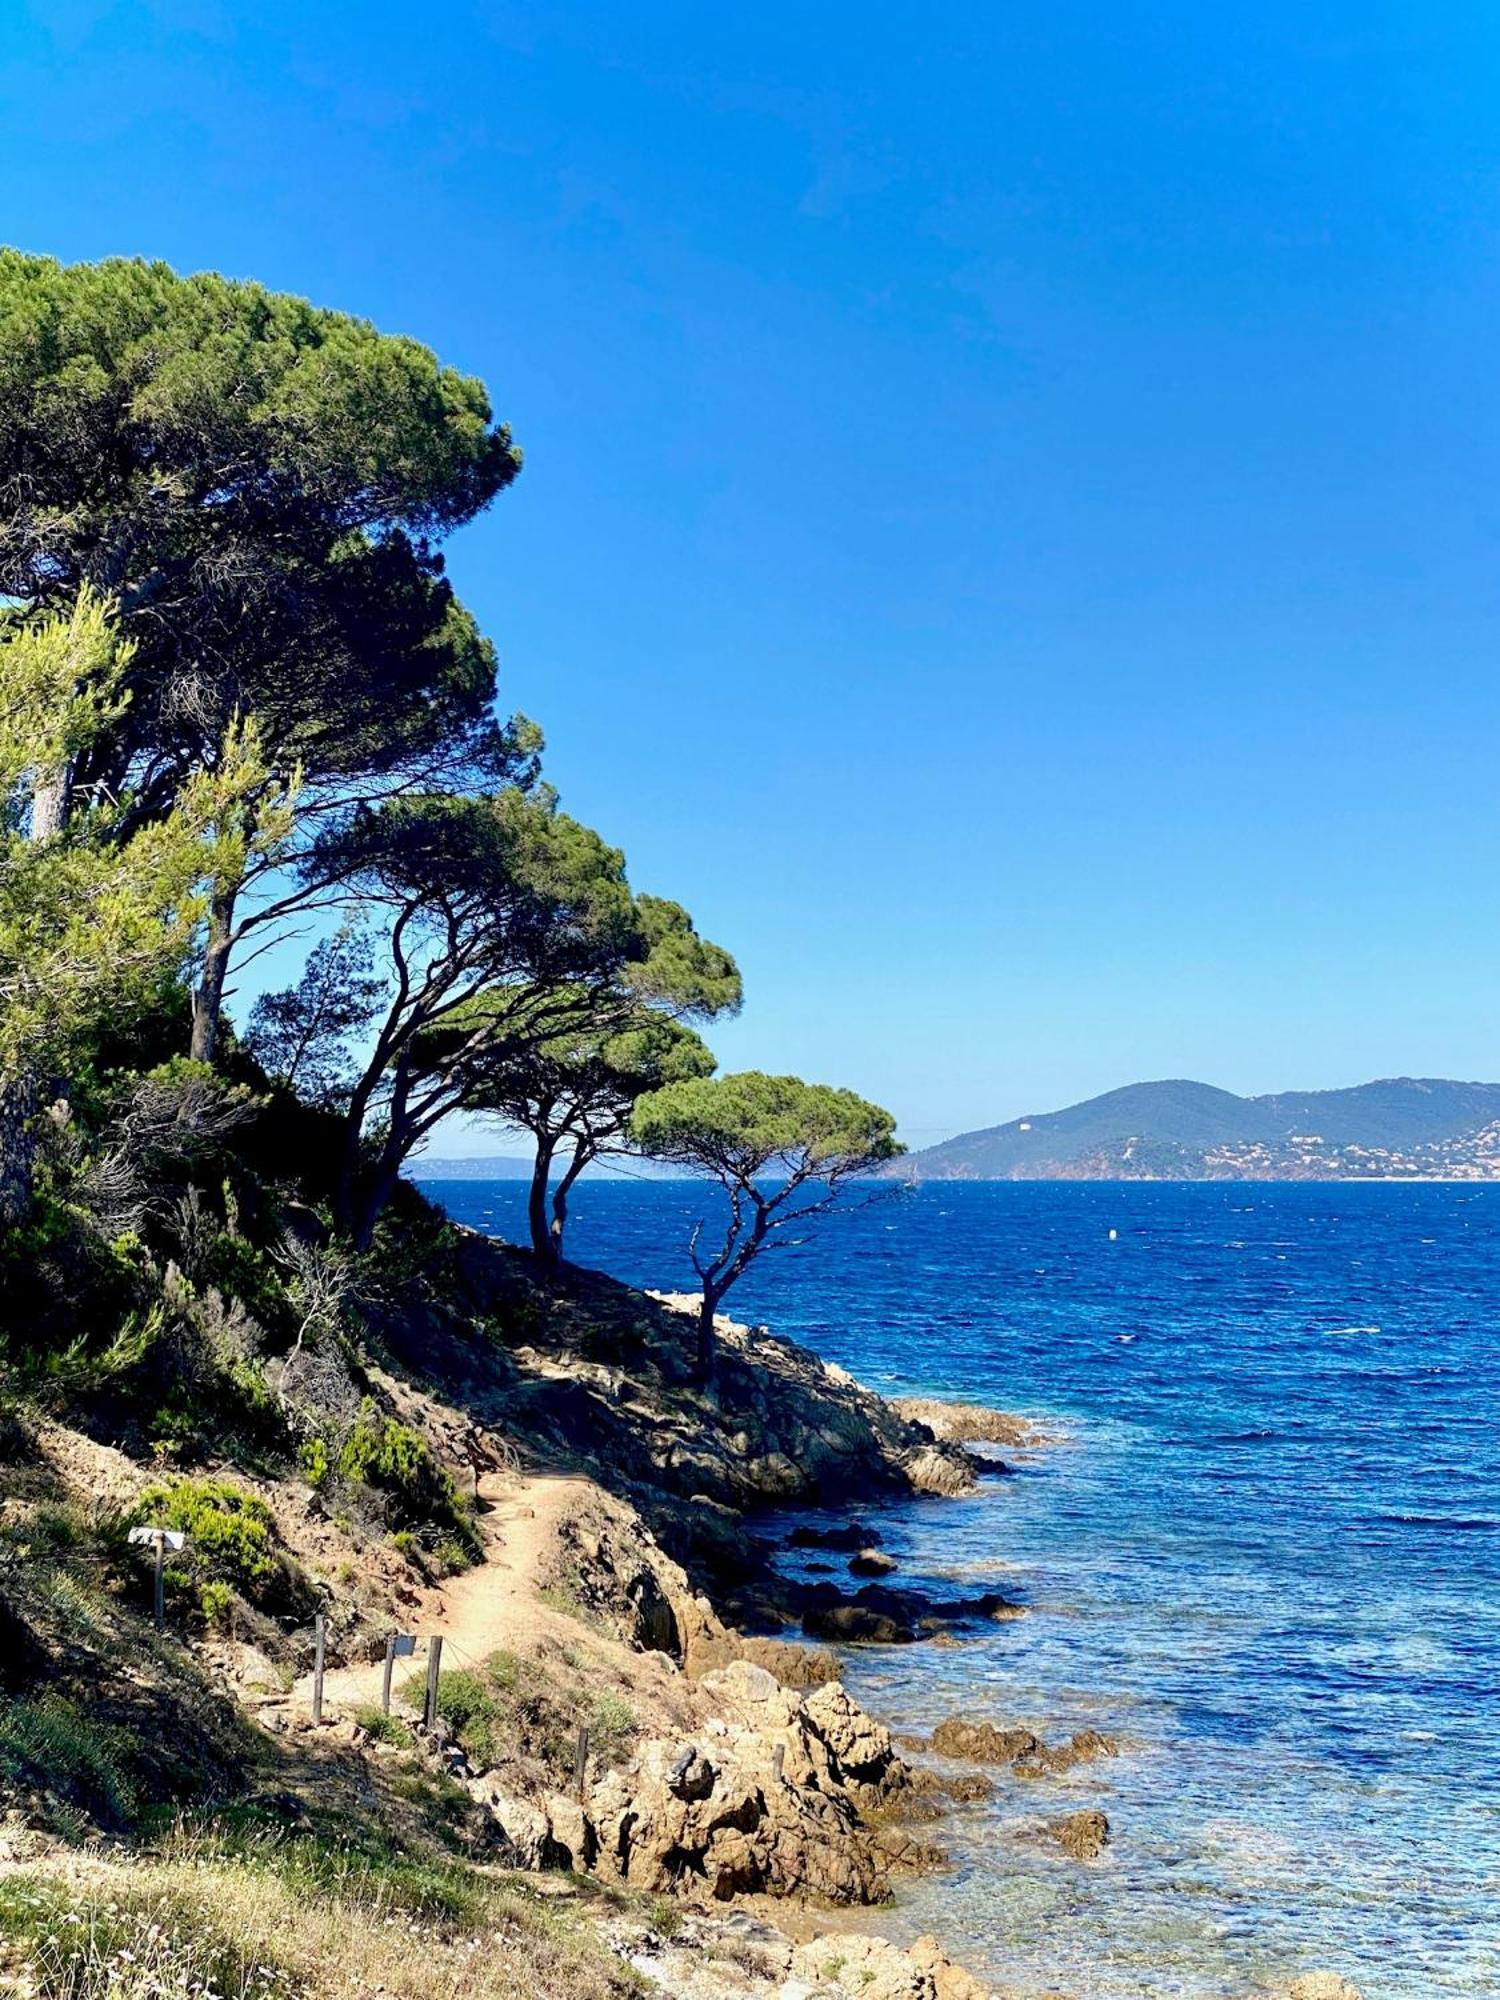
489 1607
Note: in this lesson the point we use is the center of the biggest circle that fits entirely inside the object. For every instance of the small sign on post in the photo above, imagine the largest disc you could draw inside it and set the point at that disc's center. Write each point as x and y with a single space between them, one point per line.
160 1539
320 1647
434 1671
397 1647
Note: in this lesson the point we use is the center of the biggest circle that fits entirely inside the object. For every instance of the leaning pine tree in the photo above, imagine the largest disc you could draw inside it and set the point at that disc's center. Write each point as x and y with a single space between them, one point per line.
784 1152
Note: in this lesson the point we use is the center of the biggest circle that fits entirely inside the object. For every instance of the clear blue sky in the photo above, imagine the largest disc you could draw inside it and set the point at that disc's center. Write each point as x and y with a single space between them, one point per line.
1010 531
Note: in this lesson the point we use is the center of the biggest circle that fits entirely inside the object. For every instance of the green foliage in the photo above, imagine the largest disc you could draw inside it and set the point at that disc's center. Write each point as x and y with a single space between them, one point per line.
750 1124
780 1149
395 1460
232 1541
513 1708
65 1295
383 1728
313 1456
267 481
216 1602
301 1036
94 917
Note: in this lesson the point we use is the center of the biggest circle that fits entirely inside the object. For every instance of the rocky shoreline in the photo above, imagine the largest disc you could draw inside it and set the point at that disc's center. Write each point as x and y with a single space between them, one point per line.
631 1593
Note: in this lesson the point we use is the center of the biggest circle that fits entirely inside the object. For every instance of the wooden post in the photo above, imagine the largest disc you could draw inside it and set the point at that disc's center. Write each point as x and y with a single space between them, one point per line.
385 1685
581 1770
159 1541
434 1669
320 1641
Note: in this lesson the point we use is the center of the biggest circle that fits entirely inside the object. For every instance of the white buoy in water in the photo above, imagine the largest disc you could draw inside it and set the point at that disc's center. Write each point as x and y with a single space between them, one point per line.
1114 1235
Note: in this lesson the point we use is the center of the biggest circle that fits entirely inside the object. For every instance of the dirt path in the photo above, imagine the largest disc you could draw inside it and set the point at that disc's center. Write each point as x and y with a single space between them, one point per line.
489 1607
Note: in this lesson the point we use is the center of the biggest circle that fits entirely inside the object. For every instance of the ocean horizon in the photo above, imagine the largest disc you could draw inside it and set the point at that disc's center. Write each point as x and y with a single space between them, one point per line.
1262 1551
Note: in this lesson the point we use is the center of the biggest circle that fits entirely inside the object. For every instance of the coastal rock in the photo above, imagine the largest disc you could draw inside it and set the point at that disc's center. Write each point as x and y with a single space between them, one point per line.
870 1562
1322 1986
967 1423
940 1470
855 1624
950 1981
767 1801
524 1826
846 1540
875 1969
982 1742
1048 1760
1084 1835
1022 1749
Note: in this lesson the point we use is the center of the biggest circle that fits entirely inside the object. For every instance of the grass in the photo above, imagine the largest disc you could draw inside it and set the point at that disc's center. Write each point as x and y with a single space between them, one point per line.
52 1740
286 1921
511 1708
383 1728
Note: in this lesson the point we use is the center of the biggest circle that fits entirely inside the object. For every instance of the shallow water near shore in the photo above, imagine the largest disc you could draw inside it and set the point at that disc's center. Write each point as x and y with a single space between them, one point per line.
1266 1553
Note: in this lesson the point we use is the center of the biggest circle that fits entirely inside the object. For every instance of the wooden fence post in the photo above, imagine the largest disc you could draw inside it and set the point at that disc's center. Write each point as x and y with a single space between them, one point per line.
159 1542
582 1766
434 1670
385 1685
320 1642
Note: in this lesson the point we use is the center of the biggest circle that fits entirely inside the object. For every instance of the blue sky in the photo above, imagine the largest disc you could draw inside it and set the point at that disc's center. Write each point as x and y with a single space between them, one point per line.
1010 533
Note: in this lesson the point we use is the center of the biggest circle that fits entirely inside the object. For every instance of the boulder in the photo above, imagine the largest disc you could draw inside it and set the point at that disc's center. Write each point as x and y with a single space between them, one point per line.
1048 1759
982 1742
967 1423
524 1825
1022 1749
848 1539
1084 1835
939 1469
767 1800
1322 1986
572 1842
855 1624
870 1562
950 1981
875 1969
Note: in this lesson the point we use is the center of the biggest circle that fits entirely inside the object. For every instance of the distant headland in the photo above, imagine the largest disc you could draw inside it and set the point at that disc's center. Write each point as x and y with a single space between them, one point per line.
1402 1128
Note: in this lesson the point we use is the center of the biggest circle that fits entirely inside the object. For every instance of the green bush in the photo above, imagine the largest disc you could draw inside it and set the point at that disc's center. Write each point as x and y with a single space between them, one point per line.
395 1460
383 1728
232 1542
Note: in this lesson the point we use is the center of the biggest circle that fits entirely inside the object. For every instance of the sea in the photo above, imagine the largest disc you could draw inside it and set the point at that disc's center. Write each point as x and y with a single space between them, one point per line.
1264 1551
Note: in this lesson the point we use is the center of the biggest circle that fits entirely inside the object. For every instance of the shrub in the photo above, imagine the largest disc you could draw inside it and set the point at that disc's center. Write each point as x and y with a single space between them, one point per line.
383 1728
395 1460
216 1601
232 1542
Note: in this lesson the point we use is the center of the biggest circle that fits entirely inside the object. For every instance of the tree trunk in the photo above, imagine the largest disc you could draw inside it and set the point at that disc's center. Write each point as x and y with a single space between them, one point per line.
536 1204
707 1345
49 804
208 995
19 1098
560 1195
382 1186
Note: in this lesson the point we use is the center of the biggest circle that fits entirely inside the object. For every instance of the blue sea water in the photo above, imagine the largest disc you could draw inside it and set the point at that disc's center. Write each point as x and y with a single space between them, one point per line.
1266 1553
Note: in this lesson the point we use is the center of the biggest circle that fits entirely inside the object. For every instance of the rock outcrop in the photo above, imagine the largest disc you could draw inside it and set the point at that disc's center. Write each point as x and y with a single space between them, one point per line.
1084 1835
768 1800
874 1969
1025 1752
968 1423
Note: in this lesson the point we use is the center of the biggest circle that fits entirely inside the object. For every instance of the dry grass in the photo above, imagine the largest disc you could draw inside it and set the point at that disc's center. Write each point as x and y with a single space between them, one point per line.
195 1926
